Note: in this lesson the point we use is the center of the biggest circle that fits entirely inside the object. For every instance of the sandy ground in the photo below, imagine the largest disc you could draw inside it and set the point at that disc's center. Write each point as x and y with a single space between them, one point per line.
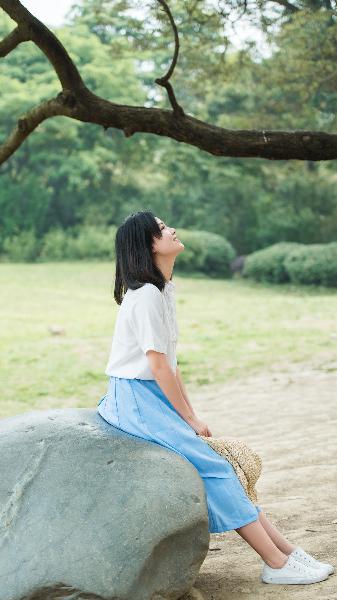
289 416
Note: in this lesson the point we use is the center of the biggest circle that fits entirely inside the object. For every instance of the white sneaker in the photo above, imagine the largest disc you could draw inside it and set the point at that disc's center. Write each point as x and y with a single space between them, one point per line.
293 572
309 560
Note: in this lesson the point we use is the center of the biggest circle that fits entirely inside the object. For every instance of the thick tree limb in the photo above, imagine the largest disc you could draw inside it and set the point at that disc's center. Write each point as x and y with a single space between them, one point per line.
275 145
28 122
15 38
78 102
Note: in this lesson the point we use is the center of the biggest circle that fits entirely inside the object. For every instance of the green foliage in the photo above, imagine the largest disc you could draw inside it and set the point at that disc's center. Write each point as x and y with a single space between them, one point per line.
313 264
294 263
205 252
23 247
303 76
55 245
90 243
69 175
268 264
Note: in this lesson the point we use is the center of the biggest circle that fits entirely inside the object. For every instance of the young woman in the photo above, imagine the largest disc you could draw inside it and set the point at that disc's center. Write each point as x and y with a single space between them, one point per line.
147 397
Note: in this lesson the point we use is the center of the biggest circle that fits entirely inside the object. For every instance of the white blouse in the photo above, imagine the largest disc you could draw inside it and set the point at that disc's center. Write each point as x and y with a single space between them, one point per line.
146 320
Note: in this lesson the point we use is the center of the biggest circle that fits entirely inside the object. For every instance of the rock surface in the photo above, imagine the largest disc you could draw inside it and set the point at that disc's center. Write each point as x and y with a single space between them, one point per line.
90 512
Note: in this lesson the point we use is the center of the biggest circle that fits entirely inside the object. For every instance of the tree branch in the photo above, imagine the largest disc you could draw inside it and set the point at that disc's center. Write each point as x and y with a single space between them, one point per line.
10 42
290 7
78 102
28 122
274 145
164 81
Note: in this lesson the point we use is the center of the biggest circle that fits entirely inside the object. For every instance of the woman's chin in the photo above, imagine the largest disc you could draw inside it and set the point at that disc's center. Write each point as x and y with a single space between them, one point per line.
179 247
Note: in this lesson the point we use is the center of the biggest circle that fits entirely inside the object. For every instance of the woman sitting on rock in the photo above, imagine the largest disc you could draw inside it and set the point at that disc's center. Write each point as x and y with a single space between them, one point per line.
147 398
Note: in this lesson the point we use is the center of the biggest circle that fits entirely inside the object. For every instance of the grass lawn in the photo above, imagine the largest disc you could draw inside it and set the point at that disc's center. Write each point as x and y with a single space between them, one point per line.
228 329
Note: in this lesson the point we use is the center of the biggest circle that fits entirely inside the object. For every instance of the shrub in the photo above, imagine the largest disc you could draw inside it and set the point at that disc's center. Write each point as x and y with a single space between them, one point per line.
93 243
206 252
313 264
55 245
23 247
96 243
268 264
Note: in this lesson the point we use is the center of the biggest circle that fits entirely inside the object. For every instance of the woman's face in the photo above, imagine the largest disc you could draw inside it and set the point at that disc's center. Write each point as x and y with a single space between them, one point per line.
168 243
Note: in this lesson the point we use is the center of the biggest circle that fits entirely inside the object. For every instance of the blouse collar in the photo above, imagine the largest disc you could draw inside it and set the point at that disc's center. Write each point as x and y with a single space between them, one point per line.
169 285
169 289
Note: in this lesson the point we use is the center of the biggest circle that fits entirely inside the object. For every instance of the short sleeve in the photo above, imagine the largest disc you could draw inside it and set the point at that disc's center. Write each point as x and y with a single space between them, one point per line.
148 321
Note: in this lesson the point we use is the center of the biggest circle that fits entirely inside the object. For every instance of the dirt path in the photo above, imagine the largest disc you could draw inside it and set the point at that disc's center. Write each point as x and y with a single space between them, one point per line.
289 416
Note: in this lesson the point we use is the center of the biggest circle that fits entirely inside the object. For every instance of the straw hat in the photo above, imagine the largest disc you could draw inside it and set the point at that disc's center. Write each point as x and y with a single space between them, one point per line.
246 462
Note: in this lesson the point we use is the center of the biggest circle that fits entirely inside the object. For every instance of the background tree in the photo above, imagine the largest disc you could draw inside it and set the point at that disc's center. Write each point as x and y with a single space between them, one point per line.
71 174
77 101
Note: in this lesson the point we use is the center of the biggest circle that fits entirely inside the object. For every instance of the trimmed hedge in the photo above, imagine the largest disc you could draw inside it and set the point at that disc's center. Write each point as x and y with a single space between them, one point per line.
313 264
206 252
295 263
268 264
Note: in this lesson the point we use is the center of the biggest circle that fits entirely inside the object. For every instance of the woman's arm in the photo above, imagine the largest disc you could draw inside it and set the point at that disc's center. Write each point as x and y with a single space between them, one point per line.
183 389
168 382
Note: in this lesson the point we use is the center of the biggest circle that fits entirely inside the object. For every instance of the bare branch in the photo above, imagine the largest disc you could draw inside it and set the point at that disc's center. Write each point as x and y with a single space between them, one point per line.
274 145
291 7
164 81
38 33
15 38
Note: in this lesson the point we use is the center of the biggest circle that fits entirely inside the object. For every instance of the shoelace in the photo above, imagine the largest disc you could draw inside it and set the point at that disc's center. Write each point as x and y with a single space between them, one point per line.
296 566
309 562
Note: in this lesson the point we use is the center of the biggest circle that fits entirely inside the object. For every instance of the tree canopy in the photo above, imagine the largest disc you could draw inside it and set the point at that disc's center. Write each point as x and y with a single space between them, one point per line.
70 174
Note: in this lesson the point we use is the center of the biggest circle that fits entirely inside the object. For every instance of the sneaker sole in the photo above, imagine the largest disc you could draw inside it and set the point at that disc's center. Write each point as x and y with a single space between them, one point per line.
290 581
327 571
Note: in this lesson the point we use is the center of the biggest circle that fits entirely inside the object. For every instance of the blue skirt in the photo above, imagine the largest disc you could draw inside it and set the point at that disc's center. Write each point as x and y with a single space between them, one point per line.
139 407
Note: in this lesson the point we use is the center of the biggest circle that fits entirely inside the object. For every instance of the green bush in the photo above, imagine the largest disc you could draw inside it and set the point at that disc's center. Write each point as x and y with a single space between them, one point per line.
268 264
23 247
89 243
55 246
313 264
206 252
93 243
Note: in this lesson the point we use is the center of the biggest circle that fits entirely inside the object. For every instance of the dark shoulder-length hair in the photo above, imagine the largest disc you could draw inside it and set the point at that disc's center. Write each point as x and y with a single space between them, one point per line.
133 254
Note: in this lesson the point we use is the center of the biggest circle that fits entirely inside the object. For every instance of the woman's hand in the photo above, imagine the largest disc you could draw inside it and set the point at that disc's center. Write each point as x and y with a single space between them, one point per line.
199 427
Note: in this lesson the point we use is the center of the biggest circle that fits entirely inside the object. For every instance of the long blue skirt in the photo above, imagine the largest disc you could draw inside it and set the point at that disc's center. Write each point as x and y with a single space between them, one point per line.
139 407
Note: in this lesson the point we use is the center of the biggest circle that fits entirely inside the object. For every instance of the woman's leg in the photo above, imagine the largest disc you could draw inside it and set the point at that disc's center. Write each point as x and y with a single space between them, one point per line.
258 538
279 540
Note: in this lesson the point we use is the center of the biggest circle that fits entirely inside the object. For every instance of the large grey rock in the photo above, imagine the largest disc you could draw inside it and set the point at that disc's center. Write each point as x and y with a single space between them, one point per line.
90 512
